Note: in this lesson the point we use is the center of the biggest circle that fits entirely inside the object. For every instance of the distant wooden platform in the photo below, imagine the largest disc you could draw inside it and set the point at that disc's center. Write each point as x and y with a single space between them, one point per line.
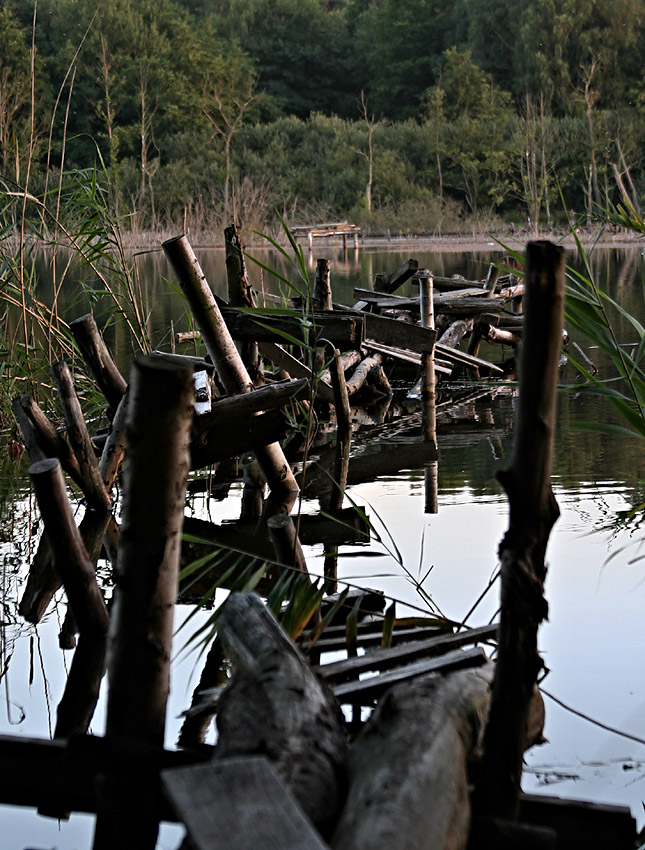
328 230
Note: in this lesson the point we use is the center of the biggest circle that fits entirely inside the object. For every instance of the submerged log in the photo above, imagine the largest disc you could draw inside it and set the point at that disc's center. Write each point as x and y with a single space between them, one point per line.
278 707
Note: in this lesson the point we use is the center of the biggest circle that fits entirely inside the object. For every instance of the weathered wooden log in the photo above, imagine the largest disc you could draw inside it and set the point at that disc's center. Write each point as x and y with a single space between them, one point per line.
346 361
240 294
294 367
322 295
361 372
428 392
221 348
221 440
69 555
437 723
115 445
98 359
140 637
52 444
533 511
278 707
504 337
199 364
456 332
79 437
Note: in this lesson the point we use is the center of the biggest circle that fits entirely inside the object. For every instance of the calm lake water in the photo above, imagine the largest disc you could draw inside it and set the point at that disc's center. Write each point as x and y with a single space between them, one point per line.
595 587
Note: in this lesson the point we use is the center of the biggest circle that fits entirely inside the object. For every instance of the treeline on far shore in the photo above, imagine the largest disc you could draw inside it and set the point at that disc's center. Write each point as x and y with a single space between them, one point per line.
183 114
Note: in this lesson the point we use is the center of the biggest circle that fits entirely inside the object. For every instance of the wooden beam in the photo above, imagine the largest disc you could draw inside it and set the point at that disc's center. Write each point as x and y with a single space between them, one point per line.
238 804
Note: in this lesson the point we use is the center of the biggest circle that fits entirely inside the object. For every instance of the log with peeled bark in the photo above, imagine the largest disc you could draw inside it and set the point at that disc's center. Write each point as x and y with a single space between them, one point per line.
278 707
362 371
408 769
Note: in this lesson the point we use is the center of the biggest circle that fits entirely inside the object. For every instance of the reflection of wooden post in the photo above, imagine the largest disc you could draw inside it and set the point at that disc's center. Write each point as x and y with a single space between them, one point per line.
341 461
428 393
159 419
533 511
222 350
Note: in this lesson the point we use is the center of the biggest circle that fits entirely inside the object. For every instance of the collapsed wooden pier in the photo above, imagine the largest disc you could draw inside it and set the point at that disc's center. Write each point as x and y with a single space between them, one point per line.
412 756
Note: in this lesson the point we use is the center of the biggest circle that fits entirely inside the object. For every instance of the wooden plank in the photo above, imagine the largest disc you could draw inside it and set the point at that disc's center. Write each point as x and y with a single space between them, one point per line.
330 644
221 441
406 356
343 331
236 407
366 690
238 804
456 356
384 659
399 334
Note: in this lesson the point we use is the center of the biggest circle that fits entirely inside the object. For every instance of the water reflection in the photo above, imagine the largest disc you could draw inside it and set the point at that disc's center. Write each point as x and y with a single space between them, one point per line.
595 604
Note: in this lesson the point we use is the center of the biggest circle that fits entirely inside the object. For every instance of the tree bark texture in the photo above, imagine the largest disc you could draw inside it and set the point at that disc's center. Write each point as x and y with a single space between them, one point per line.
278 707
533 511
98 359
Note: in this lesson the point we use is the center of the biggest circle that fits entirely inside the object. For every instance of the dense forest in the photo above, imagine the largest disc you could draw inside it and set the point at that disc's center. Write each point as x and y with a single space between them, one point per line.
415 116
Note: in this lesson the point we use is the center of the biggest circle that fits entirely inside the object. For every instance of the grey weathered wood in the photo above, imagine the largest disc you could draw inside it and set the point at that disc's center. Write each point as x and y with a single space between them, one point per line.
408 783
322 295
278 707
115 445
393 281
367 690
360 374
238 804
220 440
384 659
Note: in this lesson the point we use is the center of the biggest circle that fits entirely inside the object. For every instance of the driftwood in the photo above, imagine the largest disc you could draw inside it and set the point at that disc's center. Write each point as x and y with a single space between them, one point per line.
362 371
408 784
97 357
278 707
140 637
322 295
221 348
533 511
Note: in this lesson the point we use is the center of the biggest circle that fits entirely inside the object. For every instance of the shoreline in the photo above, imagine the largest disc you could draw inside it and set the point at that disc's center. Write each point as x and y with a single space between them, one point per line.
453 243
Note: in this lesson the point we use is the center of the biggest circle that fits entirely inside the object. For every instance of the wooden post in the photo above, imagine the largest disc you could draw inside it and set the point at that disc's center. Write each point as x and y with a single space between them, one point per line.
240 294
428 394
140 638
222 350
322 295
78 435
533 511
98 359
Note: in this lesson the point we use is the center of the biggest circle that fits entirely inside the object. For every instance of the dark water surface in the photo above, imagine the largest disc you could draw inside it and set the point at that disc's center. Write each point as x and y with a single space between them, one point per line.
592 643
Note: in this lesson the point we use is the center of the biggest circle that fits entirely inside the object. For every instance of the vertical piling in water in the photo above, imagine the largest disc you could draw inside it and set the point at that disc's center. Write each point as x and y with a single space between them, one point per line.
219 344
428 392
533 511
240 294
322 296
140 637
